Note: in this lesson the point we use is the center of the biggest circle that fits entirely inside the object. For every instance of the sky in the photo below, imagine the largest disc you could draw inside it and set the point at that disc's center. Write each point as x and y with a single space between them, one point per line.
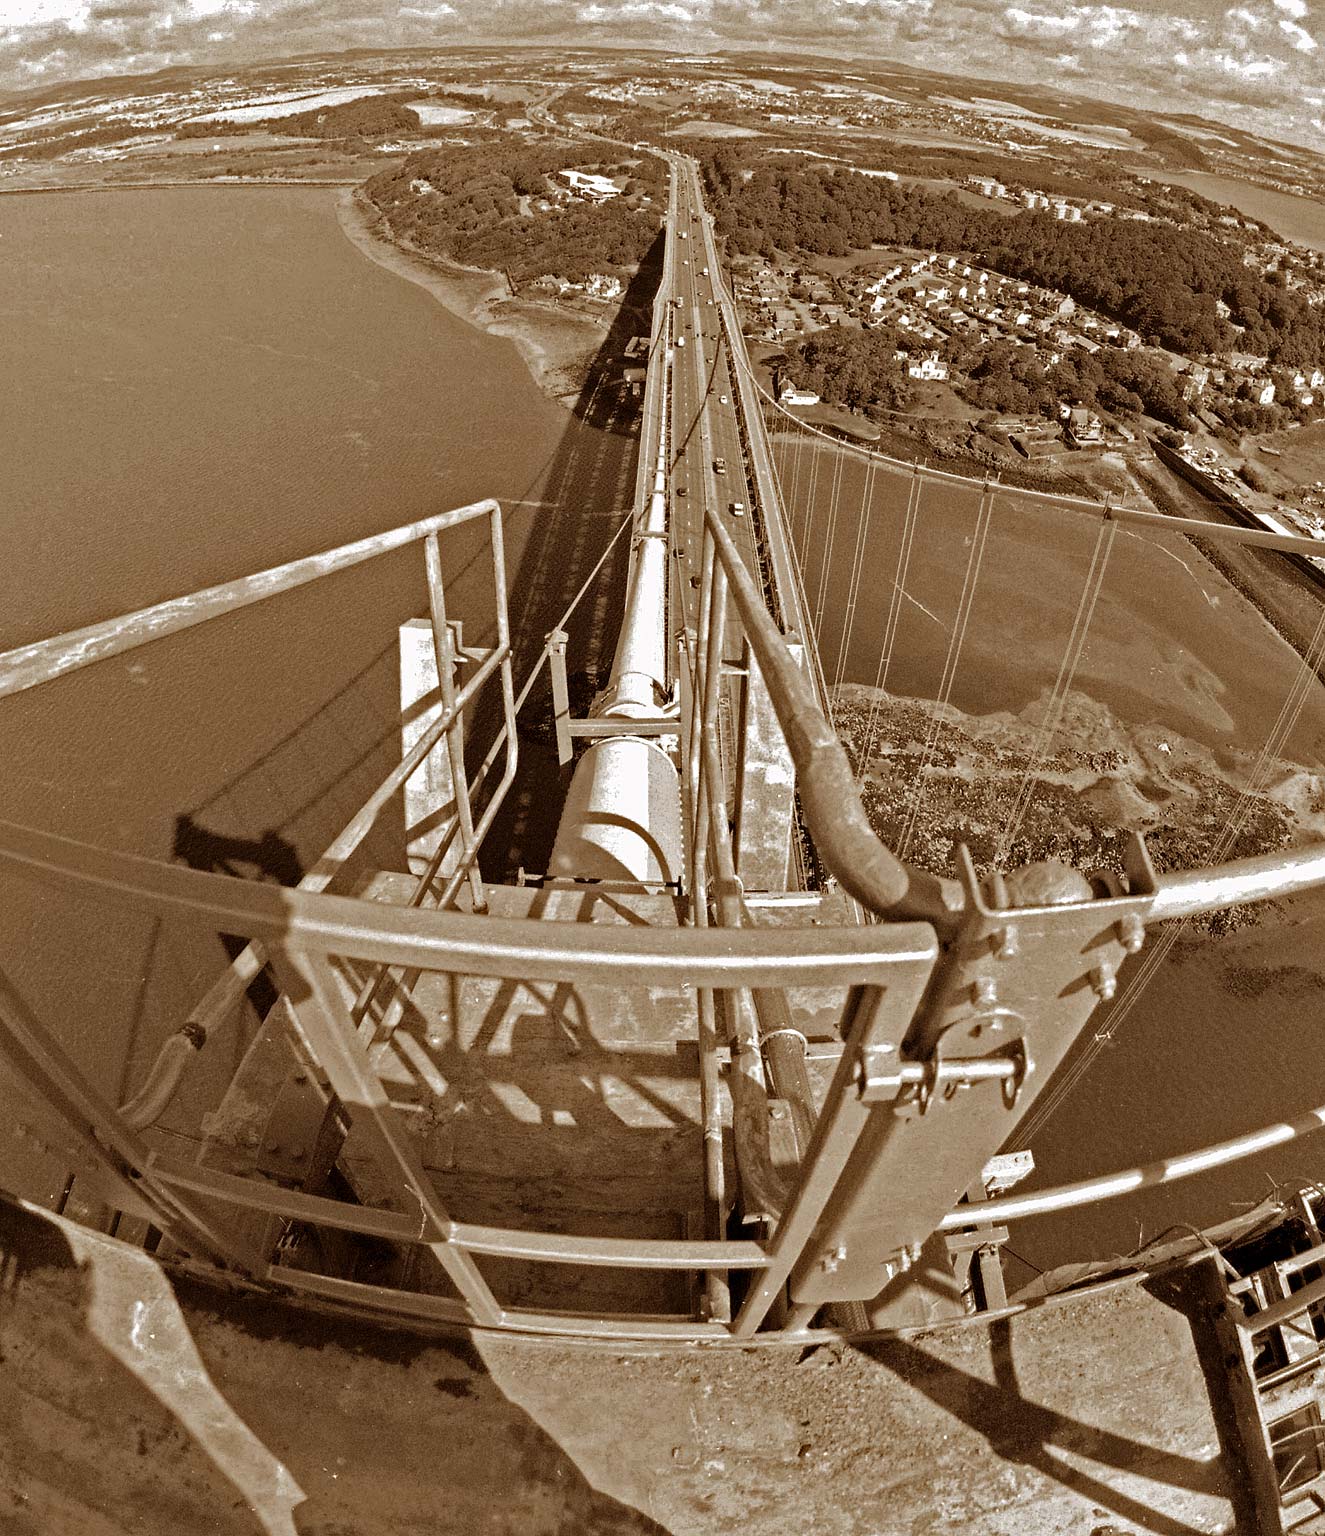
1256 63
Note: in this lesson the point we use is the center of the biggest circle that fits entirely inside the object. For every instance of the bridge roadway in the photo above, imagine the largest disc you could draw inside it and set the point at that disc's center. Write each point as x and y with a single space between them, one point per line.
718 463
715 419
705 433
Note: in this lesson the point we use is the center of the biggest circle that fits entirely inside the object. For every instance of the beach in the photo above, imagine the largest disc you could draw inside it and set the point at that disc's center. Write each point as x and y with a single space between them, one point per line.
558 346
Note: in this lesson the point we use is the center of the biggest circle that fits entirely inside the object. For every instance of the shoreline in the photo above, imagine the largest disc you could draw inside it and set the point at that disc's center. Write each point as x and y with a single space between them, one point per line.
1097 778
557 348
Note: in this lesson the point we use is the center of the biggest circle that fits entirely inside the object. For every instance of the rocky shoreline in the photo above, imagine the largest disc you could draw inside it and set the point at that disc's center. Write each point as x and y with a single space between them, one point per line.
1095 780
557 346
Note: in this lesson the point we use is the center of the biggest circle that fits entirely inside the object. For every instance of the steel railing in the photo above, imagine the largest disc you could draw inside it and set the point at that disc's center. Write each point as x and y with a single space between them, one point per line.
733 966
739 973
302 931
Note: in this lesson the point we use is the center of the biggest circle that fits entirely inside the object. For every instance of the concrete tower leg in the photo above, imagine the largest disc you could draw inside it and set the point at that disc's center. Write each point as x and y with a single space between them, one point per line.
429 790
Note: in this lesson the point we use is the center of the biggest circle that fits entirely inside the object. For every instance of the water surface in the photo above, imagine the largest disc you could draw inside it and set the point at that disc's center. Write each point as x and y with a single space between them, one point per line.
1295 218
196 384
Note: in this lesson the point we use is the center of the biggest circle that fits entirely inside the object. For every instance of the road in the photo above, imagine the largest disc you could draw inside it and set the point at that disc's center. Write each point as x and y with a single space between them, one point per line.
707 466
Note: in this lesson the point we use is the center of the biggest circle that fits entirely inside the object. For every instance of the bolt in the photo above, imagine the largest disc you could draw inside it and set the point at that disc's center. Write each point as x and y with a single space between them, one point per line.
1006 943
985 991
273 1146
297 1150
778 1111
1104 981
1131 932
832 1260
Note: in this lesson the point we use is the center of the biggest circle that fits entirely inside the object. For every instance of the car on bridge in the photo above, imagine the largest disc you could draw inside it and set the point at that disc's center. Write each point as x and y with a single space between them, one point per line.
737 508
719 466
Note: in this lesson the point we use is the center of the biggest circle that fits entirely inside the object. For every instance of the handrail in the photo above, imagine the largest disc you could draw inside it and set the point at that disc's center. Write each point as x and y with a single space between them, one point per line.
852 851
841 833
503 947
1167 1170
1187 892
29 666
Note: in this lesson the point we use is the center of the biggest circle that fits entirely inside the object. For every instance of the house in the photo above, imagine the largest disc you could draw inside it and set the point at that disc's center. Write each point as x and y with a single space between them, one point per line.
928 368
589 185
1034 200
1263 393
599 285
1194 383
790 395
1081 427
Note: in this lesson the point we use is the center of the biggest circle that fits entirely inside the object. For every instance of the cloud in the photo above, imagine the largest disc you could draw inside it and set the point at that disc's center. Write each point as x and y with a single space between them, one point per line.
1019 23
1173 55
1300 38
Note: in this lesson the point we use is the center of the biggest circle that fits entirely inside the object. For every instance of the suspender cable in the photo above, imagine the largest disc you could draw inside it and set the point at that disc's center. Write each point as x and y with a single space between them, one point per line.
798 437
811 509
1287 718
1067 669
826 569
857 565
952 660
909 525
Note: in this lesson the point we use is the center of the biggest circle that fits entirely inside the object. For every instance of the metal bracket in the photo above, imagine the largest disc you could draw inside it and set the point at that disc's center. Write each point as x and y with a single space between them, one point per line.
1034 956
913 1084
302 1135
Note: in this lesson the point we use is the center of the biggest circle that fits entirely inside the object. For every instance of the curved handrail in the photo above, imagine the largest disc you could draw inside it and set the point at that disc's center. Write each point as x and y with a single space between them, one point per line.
1167 1170
849 847
474 945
